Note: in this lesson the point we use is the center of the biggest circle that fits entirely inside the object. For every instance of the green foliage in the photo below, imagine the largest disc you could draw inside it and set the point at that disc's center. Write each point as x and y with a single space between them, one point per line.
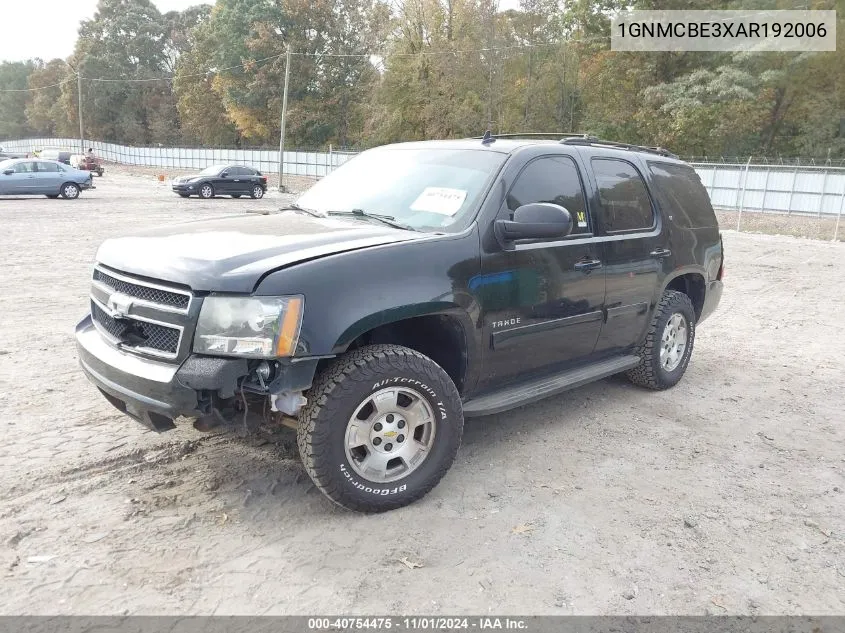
14 76
366 72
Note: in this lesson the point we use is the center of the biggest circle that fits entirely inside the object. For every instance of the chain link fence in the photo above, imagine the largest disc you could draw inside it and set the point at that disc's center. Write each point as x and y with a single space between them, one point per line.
793 196
305 163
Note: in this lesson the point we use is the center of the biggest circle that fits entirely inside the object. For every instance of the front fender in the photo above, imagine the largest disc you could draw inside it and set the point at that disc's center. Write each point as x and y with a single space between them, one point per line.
350 293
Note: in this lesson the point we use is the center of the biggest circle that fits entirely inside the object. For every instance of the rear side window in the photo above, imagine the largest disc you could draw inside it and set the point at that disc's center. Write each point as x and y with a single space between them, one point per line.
681 193
53 167
552 179
625 203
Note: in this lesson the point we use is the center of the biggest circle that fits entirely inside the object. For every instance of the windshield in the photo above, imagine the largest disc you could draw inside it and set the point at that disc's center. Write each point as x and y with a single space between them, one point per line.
423 188
212 171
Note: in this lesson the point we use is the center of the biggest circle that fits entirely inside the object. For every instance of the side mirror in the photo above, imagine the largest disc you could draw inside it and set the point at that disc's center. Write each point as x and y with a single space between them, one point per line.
225 174
538 220
9 172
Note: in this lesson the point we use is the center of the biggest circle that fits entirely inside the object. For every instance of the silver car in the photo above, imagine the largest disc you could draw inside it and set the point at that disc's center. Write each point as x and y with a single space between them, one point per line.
34 177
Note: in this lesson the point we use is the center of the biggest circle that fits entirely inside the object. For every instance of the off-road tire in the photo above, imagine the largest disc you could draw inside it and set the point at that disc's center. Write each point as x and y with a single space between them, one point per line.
333 399
649 373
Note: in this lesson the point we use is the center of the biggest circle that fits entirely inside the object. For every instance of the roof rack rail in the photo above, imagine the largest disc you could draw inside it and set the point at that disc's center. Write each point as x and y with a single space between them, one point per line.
552 135
592 140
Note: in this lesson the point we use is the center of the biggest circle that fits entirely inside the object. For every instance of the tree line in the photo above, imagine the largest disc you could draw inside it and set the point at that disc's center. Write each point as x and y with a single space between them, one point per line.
367 72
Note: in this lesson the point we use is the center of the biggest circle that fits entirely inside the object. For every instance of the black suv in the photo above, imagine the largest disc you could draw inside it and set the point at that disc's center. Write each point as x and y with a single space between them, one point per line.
418 284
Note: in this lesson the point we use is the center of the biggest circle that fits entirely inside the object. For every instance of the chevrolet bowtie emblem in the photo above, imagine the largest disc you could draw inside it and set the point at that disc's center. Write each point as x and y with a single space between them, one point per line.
119 305
391 434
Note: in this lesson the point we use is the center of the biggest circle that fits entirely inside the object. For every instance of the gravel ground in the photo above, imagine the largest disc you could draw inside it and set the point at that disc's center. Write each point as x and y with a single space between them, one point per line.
722 495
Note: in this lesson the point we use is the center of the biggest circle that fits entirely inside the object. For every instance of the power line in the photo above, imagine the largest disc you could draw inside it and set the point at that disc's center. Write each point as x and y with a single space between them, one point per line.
455 52
61 83
369 55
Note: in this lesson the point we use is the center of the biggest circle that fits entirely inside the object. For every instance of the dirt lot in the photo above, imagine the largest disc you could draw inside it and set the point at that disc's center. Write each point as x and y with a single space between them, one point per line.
723 495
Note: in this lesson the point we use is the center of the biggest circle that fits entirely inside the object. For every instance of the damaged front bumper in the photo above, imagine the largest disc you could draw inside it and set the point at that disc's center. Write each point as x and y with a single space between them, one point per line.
155 393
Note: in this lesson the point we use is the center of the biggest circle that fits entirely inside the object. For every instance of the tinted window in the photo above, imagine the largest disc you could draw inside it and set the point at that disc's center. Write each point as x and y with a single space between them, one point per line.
53 167
552 179
681 192
625 204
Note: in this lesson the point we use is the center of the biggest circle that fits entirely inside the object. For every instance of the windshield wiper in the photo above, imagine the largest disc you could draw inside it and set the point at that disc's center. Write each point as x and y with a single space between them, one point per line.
295 207
389 220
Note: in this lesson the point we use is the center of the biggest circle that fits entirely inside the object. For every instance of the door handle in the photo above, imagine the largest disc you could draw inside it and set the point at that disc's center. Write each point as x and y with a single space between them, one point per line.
660 253
586 266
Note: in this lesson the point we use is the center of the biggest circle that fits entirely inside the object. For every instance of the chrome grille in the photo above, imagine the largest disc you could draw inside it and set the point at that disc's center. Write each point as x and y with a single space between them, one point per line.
141 316
136 333
150 294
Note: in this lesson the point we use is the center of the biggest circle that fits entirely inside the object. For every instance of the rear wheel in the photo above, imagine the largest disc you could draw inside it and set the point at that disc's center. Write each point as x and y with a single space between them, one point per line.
381 428
70 191
666 351
206 191
257 192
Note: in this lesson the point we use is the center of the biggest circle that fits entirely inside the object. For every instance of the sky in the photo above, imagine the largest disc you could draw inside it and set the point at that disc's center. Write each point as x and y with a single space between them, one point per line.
47 28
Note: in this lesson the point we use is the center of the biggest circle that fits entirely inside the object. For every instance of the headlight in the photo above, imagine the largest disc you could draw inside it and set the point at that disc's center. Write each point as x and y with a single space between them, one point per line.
255 327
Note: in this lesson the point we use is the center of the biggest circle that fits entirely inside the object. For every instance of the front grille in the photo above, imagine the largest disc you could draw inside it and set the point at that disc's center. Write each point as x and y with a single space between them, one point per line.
138 333
145 293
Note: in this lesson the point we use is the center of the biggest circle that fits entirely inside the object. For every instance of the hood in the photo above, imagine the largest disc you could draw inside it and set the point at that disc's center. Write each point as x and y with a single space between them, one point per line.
232 254
186 178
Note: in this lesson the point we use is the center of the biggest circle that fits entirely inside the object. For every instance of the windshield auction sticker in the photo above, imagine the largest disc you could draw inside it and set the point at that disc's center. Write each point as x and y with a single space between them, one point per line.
755 31
441 200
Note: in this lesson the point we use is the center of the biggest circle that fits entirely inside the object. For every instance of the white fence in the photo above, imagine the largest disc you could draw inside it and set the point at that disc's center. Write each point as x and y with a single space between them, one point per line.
775 188
297 163
733 186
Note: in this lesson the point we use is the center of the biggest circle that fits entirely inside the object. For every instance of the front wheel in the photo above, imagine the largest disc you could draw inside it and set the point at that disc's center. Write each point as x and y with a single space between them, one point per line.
257 192
667 349
70 191
206 191
381 428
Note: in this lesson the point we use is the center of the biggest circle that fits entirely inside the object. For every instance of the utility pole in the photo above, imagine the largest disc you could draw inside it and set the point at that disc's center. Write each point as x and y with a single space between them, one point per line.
284 114
491 53
79 96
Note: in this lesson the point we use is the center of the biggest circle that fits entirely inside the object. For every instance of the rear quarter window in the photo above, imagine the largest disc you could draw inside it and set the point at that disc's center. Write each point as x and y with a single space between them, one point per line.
682 195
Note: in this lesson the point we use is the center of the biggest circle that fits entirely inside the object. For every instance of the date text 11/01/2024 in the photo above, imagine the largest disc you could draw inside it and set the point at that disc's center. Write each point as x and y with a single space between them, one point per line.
416 624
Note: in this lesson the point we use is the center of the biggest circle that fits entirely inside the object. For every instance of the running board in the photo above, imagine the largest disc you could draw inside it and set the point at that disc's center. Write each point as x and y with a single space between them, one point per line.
537 389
